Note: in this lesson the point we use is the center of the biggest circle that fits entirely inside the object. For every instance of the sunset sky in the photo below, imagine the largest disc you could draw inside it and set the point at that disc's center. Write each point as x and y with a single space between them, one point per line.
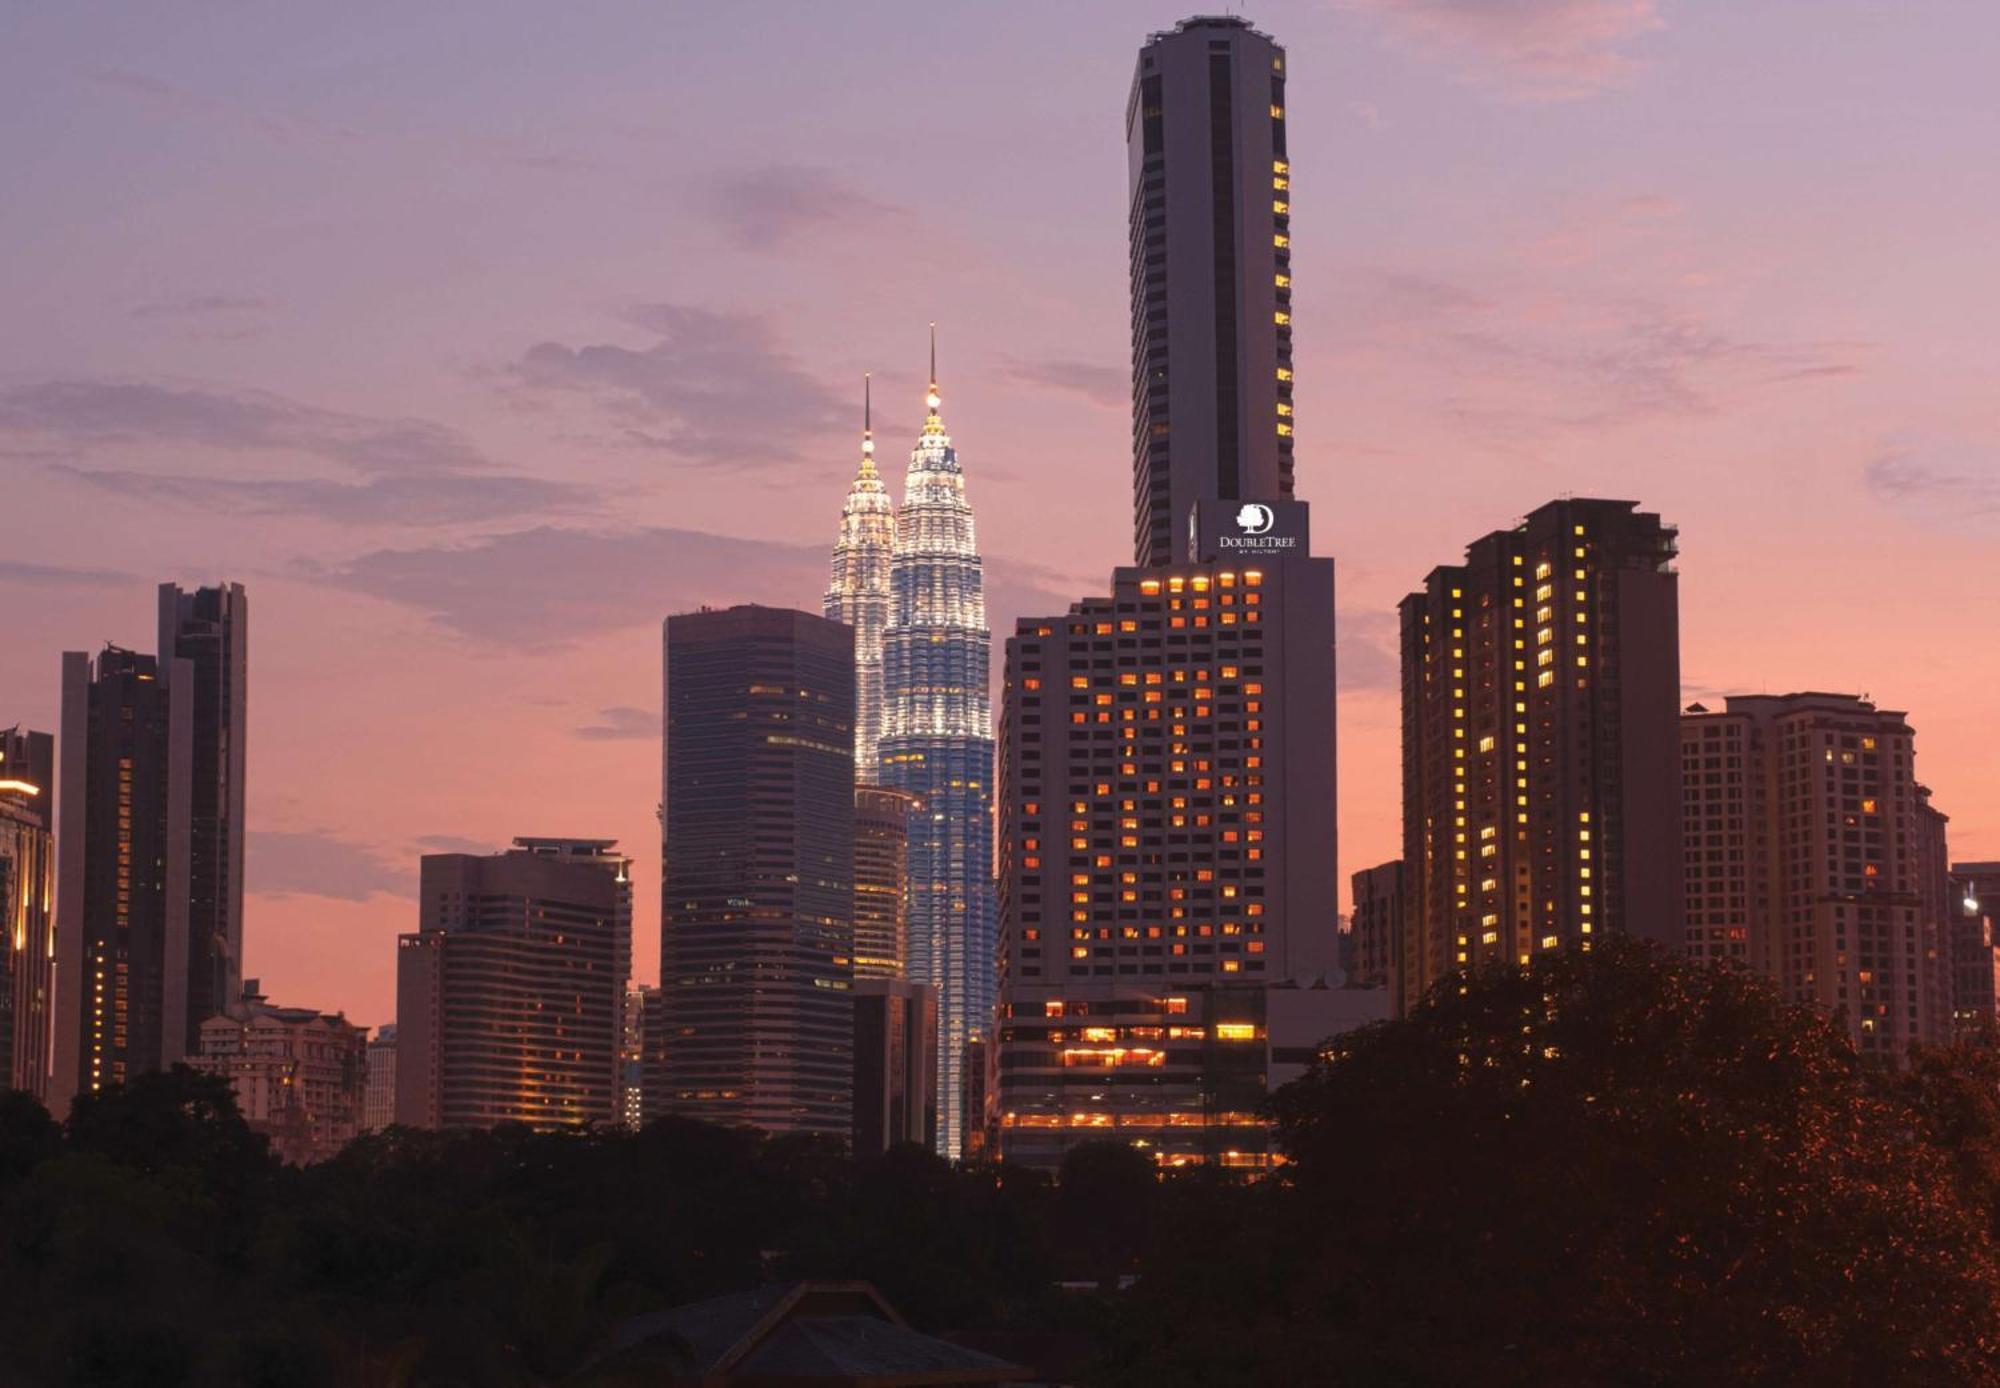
476 338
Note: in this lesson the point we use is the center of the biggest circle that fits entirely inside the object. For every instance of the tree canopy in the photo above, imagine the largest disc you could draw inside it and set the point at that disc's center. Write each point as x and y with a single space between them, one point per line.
1613 1167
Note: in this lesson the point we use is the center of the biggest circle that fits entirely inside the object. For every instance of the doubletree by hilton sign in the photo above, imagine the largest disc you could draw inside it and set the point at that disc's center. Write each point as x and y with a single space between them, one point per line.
1223 530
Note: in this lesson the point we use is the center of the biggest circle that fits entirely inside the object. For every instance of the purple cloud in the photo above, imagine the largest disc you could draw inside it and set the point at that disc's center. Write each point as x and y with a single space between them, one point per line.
622 724
399 471
549 586
1109 386
714 389
1529 50
773 206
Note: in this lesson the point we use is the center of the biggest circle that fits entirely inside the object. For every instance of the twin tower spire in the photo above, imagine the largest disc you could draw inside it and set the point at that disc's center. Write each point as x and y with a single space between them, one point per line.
864 553
909 580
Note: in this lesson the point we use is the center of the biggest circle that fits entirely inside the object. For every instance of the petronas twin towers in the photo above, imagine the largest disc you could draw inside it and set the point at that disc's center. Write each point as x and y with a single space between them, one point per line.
908 579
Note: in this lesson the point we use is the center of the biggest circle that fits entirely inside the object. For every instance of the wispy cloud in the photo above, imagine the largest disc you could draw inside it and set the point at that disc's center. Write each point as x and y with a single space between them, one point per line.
315 862
55 576
399 471
1109 386
713 389
1367 659
548 587
1950 480
201 305
92 411
774 206
1526 50
164 97
1515 356
445 499
622 724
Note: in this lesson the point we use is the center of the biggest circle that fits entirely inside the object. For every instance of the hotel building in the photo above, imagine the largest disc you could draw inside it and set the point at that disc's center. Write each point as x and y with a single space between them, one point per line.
1167 851
1210 227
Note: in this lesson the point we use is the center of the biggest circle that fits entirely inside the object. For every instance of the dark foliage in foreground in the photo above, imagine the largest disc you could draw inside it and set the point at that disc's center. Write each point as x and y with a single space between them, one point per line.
1614 1169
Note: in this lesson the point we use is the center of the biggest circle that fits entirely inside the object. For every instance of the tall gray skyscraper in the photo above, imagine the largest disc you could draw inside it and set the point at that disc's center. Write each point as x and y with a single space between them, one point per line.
757 911
149 931
1211 233
210 629
937 744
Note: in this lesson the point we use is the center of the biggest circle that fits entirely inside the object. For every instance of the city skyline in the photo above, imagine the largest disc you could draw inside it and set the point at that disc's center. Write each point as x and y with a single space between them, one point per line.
1669 357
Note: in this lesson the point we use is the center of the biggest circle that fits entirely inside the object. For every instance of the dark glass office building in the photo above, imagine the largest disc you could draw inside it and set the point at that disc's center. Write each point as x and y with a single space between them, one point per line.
757 915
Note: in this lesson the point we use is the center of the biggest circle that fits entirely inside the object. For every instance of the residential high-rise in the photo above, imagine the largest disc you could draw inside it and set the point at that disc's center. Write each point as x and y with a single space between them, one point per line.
881 881
895 1064
27 908
210 629
510 996
757 915
1975 948
300 1075
1377 925
1211 231
1803 860
859 593
937 744
378 1101
1541 759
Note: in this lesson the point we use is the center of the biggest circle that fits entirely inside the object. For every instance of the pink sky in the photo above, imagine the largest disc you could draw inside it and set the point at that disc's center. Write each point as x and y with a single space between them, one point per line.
475 339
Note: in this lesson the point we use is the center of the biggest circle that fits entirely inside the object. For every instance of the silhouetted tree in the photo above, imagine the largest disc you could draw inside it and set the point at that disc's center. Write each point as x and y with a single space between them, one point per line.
1609 1167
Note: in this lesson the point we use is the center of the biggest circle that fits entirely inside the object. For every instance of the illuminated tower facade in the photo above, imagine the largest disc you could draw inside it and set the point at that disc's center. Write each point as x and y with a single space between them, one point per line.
1211 235
937 744
858 596
27 896
1541 744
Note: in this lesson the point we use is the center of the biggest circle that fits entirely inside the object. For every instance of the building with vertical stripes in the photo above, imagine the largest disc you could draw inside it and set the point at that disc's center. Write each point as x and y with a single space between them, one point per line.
1210 208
